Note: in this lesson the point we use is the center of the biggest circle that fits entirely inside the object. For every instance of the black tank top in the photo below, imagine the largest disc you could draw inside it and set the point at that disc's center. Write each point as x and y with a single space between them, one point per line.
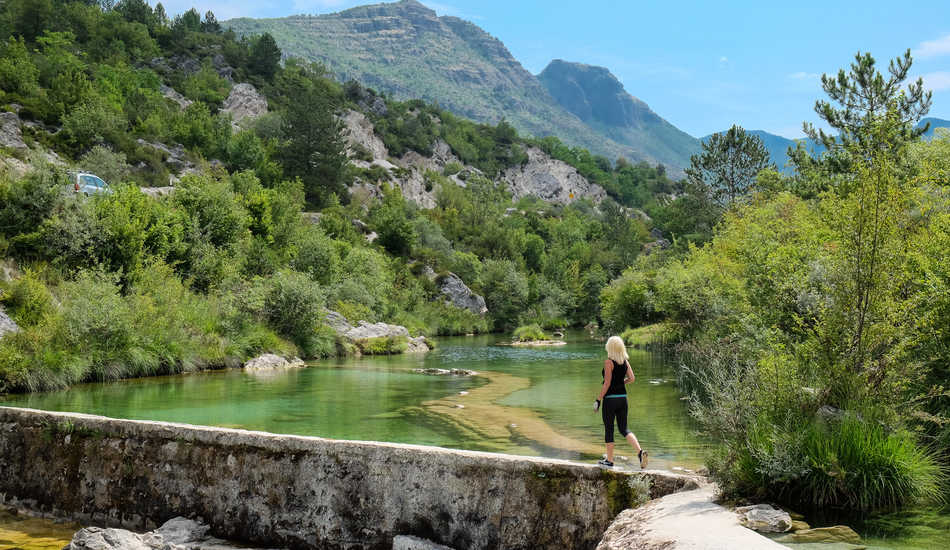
617 387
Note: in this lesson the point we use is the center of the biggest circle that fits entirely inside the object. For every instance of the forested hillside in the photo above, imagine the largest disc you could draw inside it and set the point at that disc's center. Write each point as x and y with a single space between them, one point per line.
224 264
405 50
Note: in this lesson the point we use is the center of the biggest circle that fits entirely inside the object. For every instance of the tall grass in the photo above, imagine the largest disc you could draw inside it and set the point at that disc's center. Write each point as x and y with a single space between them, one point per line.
98 333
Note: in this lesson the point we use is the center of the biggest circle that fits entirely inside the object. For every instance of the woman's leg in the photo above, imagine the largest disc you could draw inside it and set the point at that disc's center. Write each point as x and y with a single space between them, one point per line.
608 417
622 425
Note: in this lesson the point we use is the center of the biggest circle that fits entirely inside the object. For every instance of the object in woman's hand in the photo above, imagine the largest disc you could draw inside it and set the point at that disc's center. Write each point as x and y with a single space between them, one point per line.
596 404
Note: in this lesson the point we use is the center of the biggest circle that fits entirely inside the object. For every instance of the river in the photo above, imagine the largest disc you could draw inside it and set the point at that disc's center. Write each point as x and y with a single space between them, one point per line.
529 401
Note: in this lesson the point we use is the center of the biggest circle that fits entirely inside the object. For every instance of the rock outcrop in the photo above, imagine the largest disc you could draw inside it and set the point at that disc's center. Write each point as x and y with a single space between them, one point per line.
408 542
764 518
173 95
688 520
269 361
175 157
175 534
459 295
361 137
11 136
6 324
365 331
551 180
244 103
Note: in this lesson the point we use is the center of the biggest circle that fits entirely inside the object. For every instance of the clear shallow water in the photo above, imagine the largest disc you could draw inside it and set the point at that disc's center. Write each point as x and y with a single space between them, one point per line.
533 401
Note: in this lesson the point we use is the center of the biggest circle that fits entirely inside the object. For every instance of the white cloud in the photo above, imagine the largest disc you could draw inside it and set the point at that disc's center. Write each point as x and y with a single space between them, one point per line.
933 48
937 81
802 75
724 60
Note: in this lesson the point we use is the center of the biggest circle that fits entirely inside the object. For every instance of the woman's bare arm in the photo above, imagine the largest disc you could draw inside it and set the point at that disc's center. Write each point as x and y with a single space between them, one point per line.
607 375
629 377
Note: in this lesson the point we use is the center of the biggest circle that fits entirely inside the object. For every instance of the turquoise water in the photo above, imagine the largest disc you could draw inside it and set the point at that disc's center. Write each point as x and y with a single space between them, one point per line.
534 401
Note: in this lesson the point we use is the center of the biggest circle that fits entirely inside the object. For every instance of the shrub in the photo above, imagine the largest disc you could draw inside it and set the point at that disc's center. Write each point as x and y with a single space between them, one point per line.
386 345
26 299
293 305
529 333
108 165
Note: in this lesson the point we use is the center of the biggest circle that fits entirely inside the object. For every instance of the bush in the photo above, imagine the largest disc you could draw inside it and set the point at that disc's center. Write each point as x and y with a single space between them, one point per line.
530 333
292 304
386 345
108 165
26 300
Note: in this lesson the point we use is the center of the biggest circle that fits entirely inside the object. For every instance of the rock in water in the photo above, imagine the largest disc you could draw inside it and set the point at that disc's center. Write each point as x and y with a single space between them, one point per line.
271 361
408 542
96 538
419 344
838 533
244 102
176 534
6 323
459 295
764 518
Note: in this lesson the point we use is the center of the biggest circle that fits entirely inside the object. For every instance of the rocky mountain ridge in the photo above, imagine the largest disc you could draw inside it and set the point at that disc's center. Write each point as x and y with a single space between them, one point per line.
406 50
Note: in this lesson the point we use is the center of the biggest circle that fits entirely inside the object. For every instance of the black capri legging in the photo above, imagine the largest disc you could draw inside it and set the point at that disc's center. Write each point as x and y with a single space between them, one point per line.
614 407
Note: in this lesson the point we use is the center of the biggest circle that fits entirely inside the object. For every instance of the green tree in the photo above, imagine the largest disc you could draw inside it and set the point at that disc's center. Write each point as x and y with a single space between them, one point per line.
314 149
728 165
265 56
866 97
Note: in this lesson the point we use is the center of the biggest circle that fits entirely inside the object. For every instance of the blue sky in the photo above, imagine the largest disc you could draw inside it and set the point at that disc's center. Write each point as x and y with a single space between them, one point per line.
701 65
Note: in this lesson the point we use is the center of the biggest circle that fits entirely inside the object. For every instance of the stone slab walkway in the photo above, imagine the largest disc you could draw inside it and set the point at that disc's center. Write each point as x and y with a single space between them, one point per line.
687 520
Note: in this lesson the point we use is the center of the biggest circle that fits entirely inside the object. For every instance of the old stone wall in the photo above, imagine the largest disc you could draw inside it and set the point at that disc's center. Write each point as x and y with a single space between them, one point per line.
300 492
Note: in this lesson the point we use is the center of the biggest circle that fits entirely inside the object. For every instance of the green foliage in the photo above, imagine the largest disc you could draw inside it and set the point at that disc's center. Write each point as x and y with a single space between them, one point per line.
727 166
206 86
386 345
314 149
530 333
26 299
292 304
264 57
108 165
627 302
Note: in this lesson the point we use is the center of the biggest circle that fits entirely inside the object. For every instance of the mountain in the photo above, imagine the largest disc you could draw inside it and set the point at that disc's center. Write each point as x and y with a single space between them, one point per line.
934 124
404 49
595 96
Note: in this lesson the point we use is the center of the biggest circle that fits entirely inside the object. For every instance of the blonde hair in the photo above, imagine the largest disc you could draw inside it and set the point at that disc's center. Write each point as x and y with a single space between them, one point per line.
616 350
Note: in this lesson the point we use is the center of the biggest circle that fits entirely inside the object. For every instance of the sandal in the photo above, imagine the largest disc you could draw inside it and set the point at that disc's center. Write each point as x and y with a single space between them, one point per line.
642 455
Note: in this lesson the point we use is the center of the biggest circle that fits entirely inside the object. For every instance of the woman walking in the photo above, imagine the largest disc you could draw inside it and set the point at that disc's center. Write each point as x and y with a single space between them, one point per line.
613 394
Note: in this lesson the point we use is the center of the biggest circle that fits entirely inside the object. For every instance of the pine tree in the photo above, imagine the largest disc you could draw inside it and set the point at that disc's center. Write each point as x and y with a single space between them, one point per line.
314 149
727 166
265 56
866 98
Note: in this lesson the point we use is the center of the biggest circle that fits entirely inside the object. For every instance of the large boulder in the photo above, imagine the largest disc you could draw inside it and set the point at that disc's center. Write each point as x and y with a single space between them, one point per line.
458 294
764 518
550 179
176 534
376 330
6 323
175 157
244 102
270 361
408 542
10 135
